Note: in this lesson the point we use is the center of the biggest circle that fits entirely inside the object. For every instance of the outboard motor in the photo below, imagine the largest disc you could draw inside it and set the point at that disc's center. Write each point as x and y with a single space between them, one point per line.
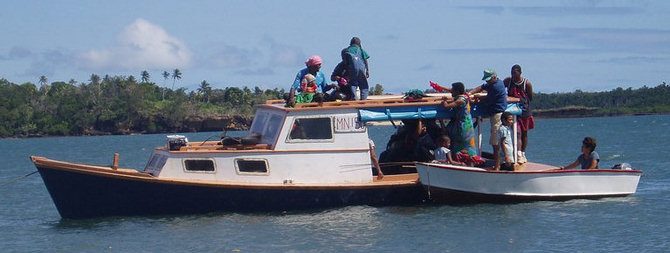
622 166
175 142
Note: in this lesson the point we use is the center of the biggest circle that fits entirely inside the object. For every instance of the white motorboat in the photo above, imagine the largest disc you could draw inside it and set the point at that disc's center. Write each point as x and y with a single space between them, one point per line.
531 181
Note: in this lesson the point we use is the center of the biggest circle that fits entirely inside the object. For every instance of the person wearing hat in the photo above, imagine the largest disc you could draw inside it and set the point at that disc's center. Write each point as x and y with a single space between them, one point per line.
519 89
496 101
313 67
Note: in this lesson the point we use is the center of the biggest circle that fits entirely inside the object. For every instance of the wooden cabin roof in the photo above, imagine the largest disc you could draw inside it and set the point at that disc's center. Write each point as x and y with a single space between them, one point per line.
371 102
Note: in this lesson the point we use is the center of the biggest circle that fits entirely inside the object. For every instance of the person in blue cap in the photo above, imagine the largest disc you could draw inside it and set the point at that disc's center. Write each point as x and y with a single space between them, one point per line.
496 101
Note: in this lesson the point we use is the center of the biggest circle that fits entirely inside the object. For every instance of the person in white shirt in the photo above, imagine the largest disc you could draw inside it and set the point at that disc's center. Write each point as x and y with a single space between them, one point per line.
442 152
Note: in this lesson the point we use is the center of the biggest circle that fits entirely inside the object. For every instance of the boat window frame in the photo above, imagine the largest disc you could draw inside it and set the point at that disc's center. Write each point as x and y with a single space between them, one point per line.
237 167
183 163
260 123
293 121
155 164
271 138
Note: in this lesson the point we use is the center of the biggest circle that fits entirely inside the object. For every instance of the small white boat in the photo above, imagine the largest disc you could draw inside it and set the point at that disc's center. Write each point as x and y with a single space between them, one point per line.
533 181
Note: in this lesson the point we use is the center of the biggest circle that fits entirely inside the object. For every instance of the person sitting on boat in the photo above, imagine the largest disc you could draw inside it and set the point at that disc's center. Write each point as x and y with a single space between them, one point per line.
589 159
519 89
496 101
460 127
339 75
375 161
506 146
313 67
423 141
442 152
308 87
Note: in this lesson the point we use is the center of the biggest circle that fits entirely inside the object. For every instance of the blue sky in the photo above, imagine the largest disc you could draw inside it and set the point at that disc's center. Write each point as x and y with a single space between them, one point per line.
561 45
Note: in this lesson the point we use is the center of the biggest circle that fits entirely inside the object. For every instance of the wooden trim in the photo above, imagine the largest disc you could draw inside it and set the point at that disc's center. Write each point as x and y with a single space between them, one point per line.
269 151
410 180
226 147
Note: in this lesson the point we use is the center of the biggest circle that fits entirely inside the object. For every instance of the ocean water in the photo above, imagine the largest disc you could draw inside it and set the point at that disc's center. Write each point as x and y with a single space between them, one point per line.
29 221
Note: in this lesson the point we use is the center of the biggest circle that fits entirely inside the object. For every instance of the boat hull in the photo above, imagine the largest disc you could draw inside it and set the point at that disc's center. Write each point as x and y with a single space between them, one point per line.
458 184
82 193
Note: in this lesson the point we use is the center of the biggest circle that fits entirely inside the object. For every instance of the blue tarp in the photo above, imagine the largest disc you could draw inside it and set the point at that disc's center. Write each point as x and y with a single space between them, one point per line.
424 112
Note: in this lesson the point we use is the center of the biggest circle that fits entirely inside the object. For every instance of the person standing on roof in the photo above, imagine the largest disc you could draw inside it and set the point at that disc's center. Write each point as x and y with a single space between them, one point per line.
313 67
358 70
519 89
496 101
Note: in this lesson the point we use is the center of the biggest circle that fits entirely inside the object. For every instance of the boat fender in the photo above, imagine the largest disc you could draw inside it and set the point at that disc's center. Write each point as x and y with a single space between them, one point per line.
622 166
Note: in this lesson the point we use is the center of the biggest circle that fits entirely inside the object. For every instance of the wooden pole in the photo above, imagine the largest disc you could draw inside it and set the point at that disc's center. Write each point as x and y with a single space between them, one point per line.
115 164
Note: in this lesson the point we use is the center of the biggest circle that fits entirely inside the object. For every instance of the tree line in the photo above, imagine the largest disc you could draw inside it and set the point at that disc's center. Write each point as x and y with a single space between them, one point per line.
121 105
117 105
614 102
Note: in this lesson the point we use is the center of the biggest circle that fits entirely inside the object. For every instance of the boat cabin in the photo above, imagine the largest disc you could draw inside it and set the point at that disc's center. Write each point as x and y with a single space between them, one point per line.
312 143
292 146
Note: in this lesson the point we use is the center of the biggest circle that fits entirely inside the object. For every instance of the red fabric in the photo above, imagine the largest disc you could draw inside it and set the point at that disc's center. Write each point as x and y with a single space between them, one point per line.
313 61
437 87
526 123
467 159
517 91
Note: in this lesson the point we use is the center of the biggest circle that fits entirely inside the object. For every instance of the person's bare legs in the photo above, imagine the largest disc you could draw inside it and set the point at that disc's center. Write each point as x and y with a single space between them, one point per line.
496 156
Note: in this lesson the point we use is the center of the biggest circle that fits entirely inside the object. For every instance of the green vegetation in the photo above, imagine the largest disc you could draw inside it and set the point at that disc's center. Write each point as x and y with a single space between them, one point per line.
618 101
118 105
121 105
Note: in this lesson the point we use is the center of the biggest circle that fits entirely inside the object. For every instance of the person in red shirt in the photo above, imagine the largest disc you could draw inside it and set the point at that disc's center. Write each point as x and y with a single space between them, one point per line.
519 89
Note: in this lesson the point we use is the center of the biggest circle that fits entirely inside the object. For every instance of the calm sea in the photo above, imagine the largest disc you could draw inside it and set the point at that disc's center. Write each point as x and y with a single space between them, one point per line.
29 221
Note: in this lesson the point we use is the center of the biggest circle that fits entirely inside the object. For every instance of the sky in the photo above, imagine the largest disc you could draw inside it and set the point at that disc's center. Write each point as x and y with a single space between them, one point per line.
561 45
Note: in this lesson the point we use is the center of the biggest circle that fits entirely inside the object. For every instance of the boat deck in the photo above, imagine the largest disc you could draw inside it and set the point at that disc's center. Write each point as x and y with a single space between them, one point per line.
531 166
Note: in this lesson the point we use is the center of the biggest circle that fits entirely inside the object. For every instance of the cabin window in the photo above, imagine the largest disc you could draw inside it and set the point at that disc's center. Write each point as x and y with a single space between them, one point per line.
311 129
251 166
204 165
272 128
259 123
155 164
152 163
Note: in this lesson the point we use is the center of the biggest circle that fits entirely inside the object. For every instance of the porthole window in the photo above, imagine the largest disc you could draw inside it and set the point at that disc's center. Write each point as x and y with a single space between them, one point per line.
251 166
204 165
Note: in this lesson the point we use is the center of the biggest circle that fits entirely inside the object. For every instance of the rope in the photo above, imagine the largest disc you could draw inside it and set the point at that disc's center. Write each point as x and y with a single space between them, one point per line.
17 179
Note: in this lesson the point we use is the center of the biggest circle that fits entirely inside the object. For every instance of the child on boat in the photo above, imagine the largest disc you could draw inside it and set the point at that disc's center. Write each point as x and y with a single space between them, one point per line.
308 84
589 159
308 89
442 152
507 148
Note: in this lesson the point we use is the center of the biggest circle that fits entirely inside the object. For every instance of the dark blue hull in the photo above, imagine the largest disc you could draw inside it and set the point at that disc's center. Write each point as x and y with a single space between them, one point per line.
82 194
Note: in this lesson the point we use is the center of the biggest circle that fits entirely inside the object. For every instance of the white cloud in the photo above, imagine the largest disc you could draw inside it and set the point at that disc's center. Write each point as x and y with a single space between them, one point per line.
283 54
141 45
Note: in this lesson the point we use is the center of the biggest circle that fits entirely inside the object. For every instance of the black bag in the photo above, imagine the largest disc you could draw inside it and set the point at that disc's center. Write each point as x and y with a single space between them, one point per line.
355 63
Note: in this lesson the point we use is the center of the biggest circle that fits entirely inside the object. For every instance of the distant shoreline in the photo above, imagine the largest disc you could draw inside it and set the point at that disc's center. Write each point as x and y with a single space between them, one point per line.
242 123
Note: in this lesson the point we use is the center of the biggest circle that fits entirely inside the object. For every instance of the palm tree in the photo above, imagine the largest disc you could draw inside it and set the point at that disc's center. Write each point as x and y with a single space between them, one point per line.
95 79
166 75
43 84
205 89
176 74
43 80
145 76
